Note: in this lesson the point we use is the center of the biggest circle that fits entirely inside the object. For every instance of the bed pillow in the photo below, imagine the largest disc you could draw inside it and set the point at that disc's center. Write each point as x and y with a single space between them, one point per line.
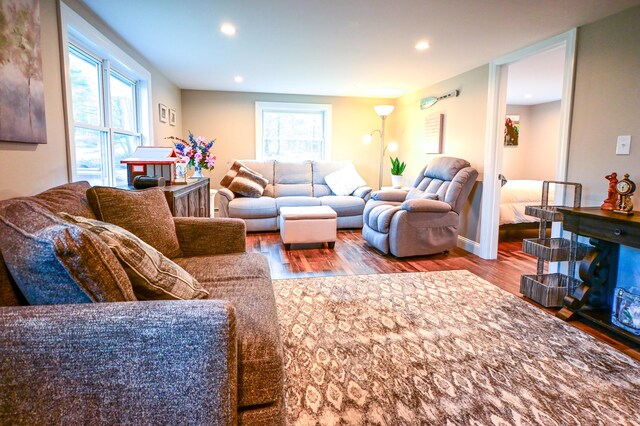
248 183
153 276
416 194
344 181
145 213
55 262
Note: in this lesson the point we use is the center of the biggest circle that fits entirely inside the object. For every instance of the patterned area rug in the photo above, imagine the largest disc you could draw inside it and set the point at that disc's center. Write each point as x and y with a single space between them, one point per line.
442 348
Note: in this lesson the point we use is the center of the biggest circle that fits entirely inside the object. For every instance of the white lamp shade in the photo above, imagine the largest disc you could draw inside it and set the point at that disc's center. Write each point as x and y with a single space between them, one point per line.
366 139
393 146
383 110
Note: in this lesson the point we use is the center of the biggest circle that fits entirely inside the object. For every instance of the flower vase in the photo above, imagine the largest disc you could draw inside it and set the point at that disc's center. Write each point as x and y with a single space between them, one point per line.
396 181
197 172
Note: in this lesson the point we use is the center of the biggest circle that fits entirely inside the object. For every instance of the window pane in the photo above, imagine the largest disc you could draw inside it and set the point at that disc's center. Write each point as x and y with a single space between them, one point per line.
89 155
123 147
123 106
85 88
293 136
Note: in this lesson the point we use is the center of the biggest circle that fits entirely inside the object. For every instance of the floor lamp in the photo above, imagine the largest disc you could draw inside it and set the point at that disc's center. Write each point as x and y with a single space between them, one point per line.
383 111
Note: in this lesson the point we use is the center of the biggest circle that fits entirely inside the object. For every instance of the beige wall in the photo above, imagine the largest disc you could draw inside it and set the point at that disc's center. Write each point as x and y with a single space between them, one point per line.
28 169
606 104
536 155
463 134
230 118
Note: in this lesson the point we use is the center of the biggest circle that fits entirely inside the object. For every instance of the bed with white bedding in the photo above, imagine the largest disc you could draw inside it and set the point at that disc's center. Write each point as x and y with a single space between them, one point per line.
515 195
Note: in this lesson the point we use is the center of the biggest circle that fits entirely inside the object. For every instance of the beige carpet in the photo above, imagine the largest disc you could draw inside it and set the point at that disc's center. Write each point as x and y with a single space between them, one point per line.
442 348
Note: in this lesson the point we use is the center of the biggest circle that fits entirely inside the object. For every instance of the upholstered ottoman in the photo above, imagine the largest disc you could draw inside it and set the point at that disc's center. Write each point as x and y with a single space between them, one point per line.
313 224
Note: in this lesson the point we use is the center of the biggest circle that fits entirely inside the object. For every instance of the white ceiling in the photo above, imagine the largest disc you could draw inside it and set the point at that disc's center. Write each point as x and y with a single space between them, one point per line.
336 47
536 79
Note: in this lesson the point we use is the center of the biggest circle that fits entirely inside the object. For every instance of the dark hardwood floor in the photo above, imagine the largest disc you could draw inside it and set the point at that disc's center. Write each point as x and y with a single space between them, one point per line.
352 256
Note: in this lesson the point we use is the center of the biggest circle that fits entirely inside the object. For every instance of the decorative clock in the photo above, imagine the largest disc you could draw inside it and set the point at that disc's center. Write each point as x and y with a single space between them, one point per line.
625 189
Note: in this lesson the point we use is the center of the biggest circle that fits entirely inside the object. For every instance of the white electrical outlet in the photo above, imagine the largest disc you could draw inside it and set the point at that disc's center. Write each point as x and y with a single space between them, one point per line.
624 145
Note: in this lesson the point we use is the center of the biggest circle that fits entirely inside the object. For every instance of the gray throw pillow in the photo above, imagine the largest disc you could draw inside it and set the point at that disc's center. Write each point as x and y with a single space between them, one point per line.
154 277
54 262
248 183
145 213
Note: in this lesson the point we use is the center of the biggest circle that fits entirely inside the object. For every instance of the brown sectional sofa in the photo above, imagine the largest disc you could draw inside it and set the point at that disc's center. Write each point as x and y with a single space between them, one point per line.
216 361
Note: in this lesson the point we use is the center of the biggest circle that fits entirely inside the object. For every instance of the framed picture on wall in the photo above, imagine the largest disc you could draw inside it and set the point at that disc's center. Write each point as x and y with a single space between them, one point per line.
511 130
163 113
172 117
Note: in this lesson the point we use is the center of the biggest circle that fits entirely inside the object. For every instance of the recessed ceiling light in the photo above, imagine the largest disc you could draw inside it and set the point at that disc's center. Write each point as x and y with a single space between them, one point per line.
422 45
238 79
228 29
528 96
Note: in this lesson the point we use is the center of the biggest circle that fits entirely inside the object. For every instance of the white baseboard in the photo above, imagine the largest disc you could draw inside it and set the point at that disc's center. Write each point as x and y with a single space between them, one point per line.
468 245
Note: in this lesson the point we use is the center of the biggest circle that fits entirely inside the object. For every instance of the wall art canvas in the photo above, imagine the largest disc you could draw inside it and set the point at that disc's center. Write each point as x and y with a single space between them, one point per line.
22 116
433 133
511 130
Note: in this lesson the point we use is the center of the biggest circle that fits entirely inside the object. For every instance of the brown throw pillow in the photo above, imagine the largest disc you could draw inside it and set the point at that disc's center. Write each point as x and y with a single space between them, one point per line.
154 277
231 173
54 262
145 213
248 183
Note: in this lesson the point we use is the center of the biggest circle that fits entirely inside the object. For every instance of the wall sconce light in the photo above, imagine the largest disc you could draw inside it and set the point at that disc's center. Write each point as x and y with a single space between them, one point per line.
383 111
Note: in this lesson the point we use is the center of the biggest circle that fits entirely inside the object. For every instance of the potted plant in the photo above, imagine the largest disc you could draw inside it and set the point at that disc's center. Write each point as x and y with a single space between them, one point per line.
397 169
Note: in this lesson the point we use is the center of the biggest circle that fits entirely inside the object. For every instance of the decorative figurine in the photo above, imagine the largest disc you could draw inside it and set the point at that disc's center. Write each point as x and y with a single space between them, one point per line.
612 196
625 189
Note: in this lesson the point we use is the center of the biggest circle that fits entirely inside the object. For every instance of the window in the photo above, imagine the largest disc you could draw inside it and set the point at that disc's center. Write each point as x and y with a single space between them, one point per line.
293 132
108 109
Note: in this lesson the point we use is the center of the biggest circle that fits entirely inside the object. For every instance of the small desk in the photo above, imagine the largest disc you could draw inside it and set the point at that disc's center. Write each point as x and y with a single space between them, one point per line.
599 269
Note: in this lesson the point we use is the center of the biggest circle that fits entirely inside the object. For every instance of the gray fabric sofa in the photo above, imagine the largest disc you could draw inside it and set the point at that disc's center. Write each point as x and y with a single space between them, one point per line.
293 185
214 362
424 220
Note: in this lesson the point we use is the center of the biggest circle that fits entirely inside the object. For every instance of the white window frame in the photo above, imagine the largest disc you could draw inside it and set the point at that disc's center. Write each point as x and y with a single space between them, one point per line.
76 30
325 109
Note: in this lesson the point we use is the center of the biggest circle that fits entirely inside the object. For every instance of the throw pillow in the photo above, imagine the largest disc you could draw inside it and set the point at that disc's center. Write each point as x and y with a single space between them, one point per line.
54 262
231 173
416 194
248 183
145 213
344 181
154 277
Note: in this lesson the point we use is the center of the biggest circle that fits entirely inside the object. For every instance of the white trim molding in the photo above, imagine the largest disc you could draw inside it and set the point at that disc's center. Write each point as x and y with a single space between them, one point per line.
469 245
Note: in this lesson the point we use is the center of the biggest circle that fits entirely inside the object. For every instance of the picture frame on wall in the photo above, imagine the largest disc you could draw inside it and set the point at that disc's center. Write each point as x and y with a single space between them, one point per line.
172 117
512 130
163 113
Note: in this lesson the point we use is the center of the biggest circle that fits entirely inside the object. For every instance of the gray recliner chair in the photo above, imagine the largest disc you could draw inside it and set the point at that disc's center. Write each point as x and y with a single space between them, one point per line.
425 219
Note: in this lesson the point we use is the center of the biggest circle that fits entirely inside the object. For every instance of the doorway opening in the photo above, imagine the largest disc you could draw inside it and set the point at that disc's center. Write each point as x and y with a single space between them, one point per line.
528 119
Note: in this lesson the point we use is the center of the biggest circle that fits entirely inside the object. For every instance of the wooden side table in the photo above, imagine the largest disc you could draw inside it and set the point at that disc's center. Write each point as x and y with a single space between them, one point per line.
190 200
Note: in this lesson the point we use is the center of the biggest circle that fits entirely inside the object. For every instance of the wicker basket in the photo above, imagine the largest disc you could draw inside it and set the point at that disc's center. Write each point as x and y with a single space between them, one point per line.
547 289
552 249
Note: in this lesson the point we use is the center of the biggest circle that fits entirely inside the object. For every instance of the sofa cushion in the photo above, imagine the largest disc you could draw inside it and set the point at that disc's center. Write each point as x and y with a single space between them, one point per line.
145 213
10 295
70 198
248 184
344 205
297 202
293 178
54 262
243 280
153 276
320 170
445 168
344 181
416 194
252 208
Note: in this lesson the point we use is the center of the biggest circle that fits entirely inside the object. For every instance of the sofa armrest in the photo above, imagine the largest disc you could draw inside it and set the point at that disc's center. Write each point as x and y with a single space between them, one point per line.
169 362
202 236
362 192
226 193
424 205
396 195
